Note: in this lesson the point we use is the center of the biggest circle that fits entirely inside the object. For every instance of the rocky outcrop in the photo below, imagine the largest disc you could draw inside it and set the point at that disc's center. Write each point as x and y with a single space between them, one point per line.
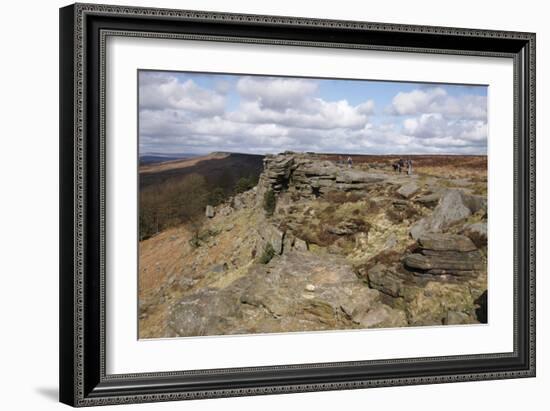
279 239
386 280
292 242
451 209
429 200
277 171
244 200
446 242
269 234
430 299
408 190
474 203
294 292
440 303
291 270
310 176
477 232
445 254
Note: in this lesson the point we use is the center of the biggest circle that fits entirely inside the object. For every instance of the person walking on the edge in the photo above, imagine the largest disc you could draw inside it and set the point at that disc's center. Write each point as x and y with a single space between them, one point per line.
410 167
350 162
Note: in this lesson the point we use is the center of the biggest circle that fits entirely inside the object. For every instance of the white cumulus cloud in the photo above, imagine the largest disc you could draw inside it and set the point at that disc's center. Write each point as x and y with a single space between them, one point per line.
437 100
159 92
186 114
275 93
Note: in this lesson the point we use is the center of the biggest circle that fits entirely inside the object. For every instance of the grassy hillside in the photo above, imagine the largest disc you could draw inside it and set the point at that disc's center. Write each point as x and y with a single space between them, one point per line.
219 169
176 192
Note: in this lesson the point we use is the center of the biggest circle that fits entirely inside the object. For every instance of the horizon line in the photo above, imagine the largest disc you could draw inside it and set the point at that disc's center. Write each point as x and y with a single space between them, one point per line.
306 152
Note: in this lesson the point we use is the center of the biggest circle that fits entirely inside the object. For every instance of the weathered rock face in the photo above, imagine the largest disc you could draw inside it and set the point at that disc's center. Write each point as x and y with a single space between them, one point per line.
446 242
477 232
444 263
300 245
445 254
277 171
310 177
451 209
244 200
294 292
383 316
280 240
426 300
474 202
429 200
408 190
388 281
291 242
272 235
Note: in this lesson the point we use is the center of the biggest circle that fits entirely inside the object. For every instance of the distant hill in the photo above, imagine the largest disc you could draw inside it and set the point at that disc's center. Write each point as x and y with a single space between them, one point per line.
220 169
161 158
176 191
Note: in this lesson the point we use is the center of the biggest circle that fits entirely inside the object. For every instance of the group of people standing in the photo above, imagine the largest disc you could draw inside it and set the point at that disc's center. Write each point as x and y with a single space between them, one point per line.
349 161
401 165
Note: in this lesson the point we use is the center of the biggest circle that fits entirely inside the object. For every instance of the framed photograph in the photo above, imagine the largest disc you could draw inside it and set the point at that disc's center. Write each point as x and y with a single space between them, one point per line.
262 204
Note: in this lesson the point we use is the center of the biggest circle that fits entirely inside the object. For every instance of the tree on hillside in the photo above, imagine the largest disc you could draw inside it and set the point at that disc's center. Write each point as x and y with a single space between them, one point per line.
172 202
245 184
216 196
191 200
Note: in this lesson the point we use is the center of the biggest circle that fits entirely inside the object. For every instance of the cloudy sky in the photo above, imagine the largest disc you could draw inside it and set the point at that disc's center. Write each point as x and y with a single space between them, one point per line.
199 113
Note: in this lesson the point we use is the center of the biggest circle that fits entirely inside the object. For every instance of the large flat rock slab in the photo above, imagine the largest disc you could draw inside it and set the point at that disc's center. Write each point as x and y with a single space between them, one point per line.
446 242
297 291
445 264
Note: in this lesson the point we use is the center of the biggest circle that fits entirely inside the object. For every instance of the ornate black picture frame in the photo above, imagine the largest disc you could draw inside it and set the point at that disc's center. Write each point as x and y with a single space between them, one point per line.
83 30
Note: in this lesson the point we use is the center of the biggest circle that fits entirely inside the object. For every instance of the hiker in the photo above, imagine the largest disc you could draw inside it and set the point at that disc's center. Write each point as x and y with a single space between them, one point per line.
350 162
400 164
410 167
